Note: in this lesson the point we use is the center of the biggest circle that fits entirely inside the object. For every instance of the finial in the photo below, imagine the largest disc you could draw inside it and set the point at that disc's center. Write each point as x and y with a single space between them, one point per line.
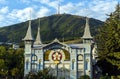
55 40
39 24
30 18
30 15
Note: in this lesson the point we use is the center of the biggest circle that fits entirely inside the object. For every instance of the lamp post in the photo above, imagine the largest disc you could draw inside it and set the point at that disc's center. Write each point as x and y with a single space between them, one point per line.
56 57
56 66
39 64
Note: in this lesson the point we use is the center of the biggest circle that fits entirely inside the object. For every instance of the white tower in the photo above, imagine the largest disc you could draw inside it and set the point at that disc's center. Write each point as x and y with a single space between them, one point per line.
28 40
40 55
88 46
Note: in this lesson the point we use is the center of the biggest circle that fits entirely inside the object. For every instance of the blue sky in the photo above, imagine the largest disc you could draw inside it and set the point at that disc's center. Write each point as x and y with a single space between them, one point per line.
16 11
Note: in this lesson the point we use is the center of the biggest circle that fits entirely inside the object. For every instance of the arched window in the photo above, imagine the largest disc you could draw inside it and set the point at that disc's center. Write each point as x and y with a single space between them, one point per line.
34 57
86 64
80 57
33 64
39 63
27 64
73 60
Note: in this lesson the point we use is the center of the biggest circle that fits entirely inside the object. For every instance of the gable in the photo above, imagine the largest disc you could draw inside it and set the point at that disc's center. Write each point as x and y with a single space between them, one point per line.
54 45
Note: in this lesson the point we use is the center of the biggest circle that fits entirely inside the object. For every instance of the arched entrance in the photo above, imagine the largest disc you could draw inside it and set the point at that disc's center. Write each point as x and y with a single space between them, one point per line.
58 62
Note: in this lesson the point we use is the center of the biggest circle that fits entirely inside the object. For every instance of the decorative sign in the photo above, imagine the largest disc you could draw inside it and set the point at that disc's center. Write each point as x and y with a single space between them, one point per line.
56 56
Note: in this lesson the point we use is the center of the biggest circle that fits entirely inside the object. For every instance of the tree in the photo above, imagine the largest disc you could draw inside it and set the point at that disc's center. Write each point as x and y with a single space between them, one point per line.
16 62
15 72
11 62
42 74
108 40
3 67
19 56
2 52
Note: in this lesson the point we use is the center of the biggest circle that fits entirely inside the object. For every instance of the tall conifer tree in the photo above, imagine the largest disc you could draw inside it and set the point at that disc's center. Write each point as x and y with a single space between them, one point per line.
109 39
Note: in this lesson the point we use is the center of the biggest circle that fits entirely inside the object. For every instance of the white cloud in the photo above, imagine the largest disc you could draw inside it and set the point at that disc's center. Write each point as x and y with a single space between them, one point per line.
3 1
4 10
25 1
103 6
53 4
68 8
99 9
71 8
20 15
15 16
43 11
95 9
1 18
3 13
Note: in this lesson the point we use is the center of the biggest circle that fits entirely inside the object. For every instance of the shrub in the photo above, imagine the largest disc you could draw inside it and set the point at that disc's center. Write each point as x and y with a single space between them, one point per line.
84 77
105 77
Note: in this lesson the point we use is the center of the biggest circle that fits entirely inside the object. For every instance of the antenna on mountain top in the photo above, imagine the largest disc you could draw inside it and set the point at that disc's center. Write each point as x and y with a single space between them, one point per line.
58 7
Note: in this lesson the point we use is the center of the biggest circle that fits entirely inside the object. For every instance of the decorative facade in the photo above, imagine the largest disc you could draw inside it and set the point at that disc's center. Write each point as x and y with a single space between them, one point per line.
69 61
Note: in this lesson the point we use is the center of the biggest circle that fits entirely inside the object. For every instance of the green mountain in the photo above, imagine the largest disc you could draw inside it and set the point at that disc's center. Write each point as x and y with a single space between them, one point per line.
54 26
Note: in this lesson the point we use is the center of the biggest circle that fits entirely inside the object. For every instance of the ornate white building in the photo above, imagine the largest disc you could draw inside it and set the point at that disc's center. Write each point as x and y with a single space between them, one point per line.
65 60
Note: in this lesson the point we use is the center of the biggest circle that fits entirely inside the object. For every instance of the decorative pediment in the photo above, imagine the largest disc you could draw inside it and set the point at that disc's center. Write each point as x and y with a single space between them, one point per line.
55 44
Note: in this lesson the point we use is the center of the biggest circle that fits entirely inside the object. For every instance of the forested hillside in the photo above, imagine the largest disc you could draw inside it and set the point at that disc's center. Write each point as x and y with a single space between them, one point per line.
54 26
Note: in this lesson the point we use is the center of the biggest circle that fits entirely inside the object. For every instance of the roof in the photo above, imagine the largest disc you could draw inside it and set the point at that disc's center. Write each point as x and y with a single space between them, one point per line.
87 33
38 39
76 45
56 41
28 34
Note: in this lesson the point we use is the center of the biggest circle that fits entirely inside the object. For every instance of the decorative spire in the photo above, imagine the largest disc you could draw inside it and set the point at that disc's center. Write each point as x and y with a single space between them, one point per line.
29 33
38 39
87 30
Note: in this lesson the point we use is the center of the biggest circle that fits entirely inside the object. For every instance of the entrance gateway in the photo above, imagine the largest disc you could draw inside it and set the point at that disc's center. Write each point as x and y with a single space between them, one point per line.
69 61
57 60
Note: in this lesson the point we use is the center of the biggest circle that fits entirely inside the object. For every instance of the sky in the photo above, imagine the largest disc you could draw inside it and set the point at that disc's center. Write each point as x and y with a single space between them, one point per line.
17 11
